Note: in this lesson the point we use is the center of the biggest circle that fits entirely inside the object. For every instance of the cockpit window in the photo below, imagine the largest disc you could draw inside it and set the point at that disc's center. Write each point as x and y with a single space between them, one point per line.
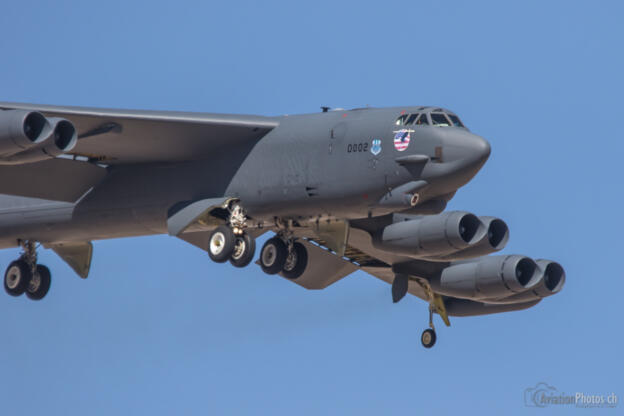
455 120
401 120
439 119
411 119
422 120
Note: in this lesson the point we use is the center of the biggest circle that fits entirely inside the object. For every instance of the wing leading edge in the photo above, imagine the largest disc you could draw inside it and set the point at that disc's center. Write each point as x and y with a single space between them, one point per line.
135 136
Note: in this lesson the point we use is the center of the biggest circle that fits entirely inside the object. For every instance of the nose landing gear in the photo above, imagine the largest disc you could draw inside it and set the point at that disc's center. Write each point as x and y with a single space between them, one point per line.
24 275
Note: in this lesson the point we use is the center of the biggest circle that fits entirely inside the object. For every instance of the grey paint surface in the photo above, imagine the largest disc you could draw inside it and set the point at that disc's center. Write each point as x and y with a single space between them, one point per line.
144 172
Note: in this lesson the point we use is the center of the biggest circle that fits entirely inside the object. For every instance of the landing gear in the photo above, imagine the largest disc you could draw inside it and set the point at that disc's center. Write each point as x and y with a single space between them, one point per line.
428 337
273 255
231 241
279 254
39 283
222 242
283 254
296 262
17 277
244 250
436 304
24 275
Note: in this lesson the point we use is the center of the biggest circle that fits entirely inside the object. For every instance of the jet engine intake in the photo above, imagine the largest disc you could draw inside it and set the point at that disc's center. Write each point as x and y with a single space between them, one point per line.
431 235
551 281
63 139
488 277
21 130
494 240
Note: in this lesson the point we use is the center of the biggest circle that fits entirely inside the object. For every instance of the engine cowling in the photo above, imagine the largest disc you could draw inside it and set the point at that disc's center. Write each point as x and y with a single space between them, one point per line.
488 277
63 139
21 130
551 281
466 307
493 240
431 235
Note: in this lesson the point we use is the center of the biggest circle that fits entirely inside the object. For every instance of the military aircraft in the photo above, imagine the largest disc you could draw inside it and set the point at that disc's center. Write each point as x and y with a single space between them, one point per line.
341 189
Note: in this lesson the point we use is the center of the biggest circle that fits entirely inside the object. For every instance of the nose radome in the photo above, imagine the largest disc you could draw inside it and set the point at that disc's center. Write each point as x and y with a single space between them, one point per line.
479 147
461 145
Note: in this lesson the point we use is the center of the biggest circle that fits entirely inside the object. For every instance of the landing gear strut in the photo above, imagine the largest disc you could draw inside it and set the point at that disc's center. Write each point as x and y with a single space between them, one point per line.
24 275
436 304
231 241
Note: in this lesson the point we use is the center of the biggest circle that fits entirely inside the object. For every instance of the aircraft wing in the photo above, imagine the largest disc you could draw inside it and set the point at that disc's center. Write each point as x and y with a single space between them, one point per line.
54 179
132 136
341 266
360 255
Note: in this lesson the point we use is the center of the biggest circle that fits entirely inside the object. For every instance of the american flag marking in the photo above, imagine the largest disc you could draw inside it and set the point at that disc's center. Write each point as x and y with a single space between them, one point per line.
401 140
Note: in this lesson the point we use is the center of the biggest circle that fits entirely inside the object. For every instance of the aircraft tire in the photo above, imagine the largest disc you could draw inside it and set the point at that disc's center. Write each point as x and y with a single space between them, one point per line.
273 255
16 278
39 283
244 250
428 338
296 262
221 244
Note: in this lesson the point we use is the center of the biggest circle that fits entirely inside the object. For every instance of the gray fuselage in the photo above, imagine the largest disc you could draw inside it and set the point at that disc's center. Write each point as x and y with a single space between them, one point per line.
310 166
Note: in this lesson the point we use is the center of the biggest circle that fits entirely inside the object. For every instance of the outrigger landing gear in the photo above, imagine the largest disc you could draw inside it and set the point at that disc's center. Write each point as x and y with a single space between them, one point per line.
436 304
24 275
283 254
231 241
428 337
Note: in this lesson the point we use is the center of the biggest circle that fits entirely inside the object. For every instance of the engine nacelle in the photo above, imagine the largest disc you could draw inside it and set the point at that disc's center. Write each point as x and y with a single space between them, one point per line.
488 277
466 307
63 139
551 281
431 235
21 130
494 240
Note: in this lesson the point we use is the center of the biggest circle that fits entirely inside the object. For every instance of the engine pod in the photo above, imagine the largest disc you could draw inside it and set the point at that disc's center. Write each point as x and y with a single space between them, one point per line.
431 235
488 277
21 130
551 280
493 240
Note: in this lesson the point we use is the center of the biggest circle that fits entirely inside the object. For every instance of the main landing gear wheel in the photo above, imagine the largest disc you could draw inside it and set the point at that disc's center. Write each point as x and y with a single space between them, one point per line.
273 255
221 244
428 338
17 277
244 250
25 275
296 261
39 283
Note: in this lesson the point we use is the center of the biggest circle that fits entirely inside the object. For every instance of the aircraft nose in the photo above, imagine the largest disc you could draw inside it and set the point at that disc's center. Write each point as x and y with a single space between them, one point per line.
462 156
466 146
479 147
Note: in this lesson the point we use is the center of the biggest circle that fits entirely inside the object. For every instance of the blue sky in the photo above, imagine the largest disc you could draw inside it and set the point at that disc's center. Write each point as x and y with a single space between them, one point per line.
158 329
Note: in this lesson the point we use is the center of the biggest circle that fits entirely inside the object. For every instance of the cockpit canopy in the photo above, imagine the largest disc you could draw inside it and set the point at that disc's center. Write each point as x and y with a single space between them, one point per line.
430 117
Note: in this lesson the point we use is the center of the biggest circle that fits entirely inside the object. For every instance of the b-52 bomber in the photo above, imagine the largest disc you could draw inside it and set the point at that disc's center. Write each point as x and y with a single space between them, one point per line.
341 190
